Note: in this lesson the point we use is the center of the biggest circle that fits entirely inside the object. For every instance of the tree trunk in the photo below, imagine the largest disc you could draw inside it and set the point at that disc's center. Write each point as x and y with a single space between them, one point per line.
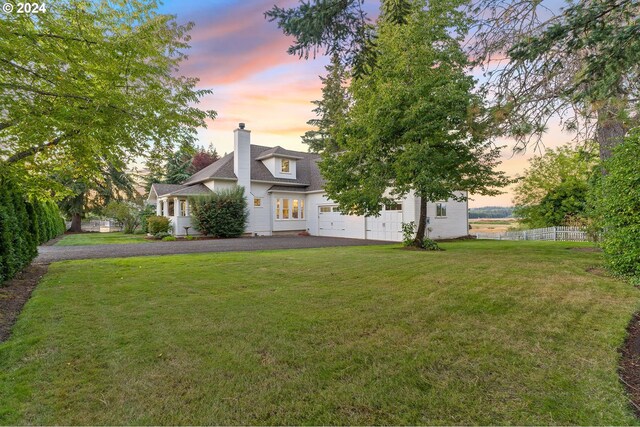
76 222
418 242
610 131
76 216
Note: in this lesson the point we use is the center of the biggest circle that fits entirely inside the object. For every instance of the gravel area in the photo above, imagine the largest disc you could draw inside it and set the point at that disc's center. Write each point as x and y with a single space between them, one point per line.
48 254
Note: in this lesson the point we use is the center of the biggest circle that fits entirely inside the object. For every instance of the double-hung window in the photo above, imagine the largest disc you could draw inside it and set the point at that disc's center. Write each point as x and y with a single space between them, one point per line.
289 209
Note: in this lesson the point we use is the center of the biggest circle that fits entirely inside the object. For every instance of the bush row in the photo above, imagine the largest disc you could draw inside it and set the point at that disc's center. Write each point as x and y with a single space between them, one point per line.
23 226
618 208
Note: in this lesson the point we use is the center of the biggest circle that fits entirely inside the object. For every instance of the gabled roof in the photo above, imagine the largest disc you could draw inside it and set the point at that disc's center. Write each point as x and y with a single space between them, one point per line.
278 151
223 168
191 190
162 189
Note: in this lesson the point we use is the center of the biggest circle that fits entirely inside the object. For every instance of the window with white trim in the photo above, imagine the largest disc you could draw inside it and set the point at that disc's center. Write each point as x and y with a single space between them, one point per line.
441 210
257 202
290 209
285 166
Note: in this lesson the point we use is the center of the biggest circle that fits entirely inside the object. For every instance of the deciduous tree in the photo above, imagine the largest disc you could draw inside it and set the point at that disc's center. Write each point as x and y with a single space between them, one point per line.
89 82
553 189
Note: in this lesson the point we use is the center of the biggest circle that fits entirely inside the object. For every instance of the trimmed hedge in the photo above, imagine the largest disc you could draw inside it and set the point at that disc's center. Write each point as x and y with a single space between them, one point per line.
221 214
23 226
618 206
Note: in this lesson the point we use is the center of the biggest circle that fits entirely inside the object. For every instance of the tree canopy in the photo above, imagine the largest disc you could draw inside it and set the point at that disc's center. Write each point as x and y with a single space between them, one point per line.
93 82
553 190
578 64
414 124
330 110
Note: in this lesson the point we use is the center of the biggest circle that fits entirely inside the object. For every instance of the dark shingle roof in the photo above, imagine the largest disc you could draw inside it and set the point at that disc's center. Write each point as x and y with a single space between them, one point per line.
162 189
317 181
294 188
306 169
280 152
191 190
222 168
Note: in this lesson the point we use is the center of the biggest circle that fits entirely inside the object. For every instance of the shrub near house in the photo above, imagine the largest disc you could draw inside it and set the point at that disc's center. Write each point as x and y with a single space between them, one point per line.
158 224
221 214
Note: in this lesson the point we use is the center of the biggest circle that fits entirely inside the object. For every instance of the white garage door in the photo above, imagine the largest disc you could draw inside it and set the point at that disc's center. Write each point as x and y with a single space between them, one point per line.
330 221
388 226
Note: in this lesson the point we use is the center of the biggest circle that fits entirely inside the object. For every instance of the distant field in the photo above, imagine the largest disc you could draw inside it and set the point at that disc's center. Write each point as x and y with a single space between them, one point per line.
491 225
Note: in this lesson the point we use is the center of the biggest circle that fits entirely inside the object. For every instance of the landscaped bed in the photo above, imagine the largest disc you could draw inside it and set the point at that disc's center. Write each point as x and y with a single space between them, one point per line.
486 332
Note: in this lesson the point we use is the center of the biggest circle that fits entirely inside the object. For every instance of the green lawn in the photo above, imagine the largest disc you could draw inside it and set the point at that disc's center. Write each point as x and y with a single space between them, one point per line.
487 332
101 239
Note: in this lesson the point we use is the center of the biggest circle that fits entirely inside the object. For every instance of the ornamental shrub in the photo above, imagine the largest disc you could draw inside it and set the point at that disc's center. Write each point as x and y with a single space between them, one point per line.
617 205
221 214
431 245
158 224
126 213
169 239
408 233
161 235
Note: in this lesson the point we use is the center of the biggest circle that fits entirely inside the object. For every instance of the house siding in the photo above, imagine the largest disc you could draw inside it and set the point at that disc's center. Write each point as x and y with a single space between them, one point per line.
259 218
267 175
454 225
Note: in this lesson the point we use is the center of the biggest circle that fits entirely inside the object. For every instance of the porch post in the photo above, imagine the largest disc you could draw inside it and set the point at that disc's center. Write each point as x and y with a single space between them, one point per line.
187 208
159 208
165 207
176 207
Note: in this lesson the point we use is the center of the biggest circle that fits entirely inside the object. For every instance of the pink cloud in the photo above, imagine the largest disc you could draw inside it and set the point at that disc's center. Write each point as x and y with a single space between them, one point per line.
234 43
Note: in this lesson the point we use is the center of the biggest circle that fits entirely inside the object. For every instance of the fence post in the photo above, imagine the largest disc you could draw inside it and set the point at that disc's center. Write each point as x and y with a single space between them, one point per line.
555 233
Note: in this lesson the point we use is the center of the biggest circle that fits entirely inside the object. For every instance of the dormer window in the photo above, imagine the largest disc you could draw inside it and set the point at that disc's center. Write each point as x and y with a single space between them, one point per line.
285 166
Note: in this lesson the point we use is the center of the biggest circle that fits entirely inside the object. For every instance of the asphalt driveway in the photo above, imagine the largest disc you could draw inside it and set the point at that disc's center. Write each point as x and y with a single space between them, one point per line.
48 254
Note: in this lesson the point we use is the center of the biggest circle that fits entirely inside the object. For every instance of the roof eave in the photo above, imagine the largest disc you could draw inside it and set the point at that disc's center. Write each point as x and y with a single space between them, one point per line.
284 156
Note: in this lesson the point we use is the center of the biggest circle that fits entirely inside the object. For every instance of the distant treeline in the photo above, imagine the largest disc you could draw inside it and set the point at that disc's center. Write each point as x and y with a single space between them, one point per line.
491 212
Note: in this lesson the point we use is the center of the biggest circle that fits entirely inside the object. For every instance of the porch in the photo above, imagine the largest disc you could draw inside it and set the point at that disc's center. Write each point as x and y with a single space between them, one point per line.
178 210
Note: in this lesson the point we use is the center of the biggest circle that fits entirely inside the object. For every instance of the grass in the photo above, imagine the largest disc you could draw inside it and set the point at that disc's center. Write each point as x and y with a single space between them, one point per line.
113 238
487 332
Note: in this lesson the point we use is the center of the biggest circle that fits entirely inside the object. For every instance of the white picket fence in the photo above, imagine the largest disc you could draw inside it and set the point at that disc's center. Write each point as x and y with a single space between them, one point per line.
101 226
563 234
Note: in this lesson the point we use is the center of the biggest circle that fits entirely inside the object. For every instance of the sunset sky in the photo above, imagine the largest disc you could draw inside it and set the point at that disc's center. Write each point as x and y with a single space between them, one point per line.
242 57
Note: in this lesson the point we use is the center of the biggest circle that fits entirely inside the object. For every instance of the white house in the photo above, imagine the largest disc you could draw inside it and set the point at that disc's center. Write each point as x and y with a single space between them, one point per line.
284 191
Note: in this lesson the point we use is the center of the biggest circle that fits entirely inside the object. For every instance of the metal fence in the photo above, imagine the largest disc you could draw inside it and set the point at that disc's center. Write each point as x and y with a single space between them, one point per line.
562 234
